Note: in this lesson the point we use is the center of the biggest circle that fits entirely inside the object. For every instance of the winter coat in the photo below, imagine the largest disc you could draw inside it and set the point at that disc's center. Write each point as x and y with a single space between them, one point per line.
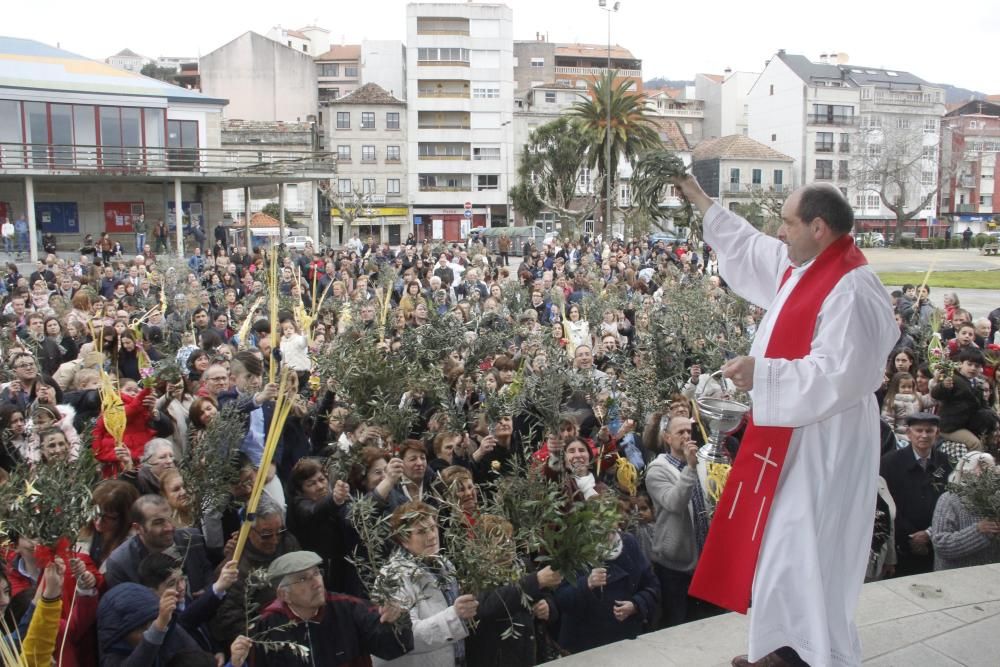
344 633
436 625
490 644
323 528
138 431
125 608
189 545
959 404
587 616
20 583
76 630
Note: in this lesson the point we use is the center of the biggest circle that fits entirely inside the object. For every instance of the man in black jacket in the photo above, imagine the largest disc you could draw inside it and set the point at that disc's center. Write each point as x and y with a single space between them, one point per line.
338 630
916 475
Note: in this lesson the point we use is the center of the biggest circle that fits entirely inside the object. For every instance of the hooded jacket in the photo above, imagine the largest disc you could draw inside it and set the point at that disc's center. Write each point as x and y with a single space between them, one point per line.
125 608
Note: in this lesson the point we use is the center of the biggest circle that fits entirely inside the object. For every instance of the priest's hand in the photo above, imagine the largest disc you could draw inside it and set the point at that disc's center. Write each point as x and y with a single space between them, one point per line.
692 191
740 371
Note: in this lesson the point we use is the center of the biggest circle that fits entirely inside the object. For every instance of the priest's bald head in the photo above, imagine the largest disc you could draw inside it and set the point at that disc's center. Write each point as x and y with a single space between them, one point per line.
813 217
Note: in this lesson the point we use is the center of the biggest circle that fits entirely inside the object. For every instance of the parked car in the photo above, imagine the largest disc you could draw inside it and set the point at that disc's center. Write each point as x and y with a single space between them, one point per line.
298 242
666 237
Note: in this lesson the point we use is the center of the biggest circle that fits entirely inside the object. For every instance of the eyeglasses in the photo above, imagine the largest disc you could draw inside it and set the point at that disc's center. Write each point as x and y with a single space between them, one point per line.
270 535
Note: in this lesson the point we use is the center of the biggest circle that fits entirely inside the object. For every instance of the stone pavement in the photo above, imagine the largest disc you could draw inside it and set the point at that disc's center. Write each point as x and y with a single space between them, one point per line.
942 619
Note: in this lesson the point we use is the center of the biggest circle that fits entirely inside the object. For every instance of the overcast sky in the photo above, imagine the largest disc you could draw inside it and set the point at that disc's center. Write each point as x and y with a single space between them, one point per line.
939 44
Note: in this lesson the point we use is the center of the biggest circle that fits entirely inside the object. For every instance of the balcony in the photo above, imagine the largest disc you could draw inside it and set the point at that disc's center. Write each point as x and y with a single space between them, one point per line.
445 157
966 208
214 164
734 188
966 182
824 174
445 188
443 126
598 71
681 113
844 148
445 94
842 121
824 147
899 100
843 175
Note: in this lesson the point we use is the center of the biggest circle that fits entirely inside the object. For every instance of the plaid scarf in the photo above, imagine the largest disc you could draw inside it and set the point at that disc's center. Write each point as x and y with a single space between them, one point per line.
698 500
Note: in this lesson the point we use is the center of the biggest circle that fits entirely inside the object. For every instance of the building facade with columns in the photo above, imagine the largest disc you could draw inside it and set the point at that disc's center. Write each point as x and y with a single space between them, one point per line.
86 148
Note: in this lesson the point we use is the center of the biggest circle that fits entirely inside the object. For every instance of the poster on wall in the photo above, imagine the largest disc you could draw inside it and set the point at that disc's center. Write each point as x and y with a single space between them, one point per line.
118 216
57 217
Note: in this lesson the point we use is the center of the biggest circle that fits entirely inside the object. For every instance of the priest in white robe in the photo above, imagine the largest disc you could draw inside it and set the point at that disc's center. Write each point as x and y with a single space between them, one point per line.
816 542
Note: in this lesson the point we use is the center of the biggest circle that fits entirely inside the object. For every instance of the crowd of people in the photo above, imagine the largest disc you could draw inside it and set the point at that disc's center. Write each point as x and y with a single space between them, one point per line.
152 578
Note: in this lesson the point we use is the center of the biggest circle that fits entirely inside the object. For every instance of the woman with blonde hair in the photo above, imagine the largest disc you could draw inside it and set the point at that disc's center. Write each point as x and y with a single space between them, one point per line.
180 501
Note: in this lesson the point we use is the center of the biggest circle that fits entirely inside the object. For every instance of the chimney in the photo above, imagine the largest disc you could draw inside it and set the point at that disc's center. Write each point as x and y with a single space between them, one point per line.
727 71
822 58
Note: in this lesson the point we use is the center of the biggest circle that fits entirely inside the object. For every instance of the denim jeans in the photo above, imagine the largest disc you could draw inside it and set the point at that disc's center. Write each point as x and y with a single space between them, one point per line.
22 241
140 243
8 243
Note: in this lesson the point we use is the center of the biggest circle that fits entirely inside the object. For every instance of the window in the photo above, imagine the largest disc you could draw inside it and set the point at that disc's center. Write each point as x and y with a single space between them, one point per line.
392 153
824 142
392 186
329 69
986 201
779 177
832 114
343 120
757 176
774 137
368 186
487 182
843 170
550 97
182 142
902 123
734 175
368 153
485 152
824 170
344 153
927 177
866 93
367 120
351 71
771 92
930 125
483 93
443 55
845 143
874 150
929 152
873 201
344 186
538 62
392 120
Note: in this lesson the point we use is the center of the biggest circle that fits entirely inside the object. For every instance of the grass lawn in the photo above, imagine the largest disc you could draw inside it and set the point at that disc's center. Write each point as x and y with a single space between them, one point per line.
966 279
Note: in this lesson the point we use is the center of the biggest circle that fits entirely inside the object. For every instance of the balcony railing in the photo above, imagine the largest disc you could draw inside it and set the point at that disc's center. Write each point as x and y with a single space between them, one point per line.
446 188
598 71
824 174
443 63
966 208
684 113
447 94
844 148
138 161
824 148
437 126
823 119
449 31
445 157
733 188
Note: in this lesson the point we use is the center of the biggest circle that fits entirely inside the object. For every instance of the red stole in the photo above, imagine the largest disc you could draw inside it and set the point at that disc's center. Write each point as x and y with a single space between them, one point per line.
725 571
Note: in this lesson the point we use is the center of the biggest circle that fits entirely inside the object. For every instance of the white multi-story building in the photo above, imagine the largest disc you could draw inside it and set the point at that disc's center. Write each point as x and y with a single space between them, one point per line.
733 169
725 98
460 89
311 39
839 122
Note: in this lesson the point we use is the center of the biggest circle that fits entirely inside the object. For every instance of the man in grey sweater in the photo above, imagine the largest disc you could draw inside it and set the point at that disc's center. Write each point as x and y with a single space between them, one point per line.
681 519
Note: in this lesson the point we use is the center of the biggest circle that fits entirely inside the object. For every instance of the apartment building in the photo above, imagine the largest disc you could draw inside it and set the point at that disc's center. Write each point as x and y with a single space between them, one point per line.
725 101
843 123
541 61
312 39
970 140
367 130
460 83
338 71
128 60
689 114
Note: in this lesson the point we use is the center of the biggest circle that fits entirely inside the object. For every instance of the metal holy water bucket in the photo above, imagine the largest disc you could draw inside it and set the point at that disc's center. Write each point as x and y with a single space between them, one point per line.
720 416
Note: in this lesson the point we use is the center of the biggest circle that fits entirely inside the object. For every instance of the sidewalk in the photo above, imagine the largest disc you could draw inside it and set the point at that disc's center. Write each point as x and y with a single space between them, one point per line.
942 619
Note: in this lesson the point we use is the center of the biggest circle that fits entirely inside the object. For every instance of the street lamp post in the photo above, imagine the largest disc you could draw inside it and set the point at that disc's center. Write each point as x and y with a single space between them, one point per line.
603 4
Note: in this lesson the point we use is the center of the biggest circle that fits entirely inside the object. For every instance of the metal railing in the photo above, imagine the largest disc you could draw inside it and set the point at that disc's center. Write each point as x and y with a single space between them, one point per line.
137 160
446 188
824 147
598 71
824 174
684 113
444 157
436 126
445 94
824 119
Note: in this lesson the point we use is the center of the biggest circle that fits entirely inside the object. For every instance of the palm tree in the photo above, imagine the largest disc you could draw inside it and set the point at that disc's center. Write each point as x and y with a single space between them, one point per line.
629 133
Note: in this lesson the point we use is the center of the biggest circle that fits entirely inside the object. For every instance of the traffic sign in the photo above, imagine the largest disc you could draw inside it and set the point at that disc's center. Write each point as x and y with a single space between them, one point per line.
468 213
468 205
